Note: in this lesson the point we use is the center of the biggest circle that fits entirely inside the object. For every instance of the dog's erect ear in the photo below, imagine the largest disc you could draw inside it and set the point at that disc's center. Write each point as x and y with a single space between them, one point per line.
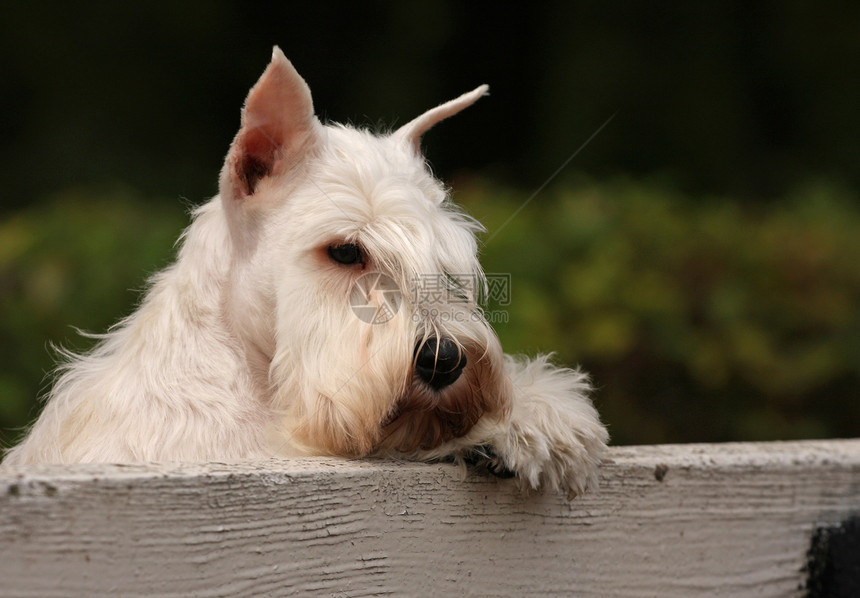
414 129
278 127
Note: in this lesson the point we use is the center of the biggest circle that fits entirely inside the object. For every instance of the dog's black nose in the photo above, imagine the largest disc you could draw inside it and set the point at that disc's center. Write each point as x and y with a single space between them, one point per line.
439 363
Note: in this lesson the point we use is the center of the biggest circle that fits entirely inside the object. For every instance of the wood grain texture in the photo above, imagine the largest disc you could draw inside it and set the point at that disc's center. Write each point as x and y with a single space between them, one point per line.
687 520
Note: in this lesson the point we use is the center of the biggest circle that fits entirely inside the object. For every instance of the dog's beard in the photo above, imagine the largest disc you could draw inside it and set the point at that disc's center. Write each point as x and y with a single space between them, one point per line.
425 418
333 401
372 400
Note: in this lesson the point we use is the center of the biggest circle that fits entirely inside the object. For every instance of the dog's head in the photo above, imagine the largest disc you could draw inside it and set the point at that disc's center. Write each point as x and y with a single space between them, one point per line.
355 281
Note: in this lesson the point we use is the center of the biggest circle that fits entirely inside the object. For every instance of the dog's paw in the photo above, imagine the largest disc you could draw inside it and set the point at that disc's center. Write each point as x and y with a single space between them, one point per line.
553 437
559 453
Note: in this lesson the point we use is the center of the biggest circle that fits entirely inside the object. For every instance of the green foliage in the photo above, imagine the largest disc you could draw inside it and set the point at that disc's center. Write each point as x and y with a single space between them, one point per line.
78 260
699 319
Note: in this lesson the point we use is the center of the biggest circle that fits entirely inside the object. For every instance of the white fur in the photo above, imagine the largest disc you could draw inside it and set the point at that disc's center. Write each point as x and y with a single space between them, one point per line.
553 436
247 346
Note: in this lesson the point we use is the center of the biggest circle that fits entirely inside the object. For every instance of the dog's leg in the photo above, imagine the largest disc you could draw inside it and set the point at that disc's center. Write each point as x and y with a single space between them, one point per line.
551 436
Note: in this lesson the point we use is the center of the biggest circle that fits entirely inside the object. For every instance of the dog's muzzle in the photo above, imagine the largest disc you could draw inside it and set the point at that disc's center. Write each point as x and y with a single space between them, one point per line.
439 362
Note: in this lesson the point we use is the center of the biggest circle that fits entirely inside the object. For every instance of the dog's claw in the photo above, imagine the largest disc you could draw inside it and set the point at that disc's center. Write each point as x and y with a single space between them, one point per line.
483 457
496 468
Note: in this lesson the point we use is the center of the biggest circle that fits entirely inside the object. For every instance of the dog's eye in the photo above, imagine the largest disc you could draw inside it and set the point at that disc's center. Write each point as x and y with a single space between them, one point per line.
347 254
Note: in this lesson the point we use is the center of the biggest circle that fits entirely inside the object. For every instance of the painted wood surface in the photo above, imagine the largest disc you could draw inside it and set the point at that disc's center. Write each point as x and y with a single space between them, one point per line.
686 520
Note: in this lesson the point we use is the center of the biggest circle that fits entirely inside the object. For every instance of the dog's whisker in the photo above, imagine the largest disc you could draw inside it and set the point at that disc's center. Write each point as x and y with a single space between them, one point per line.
549 179
324 194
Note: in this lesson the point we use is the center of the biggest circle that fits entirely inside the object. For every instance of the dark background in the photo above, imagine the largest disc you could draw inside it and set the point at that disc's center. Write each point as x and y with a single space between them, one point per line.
699 255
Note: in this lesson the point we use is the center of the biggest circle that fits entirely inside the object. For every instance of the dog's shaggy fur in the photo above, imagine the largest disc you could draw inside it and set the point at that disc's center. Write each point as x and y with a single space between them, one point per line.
248 345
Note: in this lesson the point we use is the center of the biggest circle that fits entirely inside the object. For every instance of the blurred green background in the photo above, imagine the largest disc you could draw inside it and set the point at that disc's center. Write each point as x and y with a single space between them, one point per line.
700 256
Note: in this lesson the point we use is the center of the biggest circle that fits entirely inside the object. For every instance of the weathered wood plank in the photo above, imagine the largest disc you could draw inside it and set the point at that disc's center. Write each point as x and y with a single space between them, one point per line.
717 520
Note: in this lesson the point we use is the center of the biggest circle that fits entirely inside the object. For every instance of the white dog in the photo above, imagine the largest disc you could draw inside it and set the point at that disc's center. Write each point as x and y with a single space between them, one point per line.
294 322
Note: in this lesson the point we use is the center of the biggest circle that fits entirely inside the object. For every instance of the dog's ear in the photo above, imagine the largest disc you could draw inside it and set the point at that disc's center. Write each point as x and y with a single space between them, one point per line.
412 131
278 127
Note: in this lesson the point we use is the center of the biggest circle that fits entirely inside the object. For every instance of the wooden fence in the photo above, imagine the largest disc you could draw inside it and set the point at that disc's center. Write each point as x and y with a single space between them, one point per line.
675 520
